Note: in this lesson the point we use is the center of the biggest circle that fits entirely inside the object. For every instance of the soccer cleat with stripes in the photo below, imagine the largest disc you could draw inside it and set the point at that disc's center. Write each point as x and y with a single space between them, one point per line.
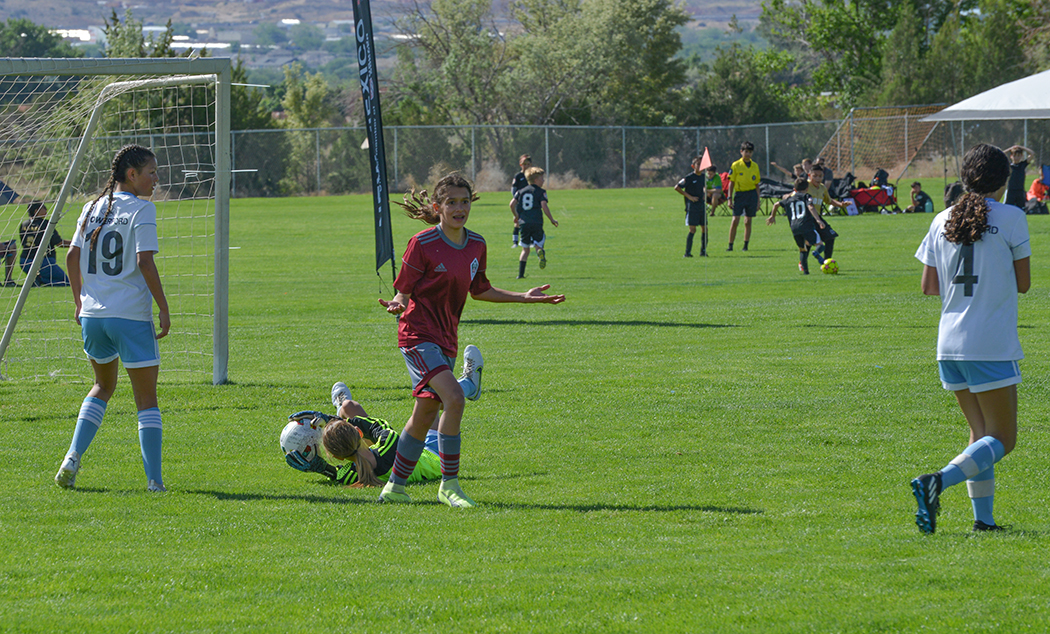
155 487
340 393
394 493
67 472
472 366
543 257
927 490
451 494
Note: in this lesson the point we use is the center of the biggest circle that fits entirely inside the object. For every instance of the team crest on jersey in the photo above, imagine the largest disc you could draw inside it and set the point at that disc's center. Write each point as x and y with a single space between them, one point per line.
440 268
474 269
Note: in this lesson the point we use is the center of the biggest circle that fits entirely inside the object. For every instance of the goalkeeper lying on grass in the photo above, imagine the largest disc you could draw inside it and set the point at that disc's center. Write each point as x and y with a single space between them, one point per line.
368 445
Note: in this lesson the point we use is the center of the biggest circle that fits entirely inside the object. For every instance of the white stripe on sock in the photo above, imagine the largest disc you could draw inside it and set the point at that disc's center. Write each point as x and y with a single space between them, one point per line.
967 464
981 488
150 418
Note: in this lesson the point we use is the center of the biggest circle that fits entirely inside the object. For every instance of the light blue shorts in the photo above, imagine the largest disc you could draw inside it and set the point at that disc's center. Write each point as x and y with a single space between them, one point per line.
107 338
979 376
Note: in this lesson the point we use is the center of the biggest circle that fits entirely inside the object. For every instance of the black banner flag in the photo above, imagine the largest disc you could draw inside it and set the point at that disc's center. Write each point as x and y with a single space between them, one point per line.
366 63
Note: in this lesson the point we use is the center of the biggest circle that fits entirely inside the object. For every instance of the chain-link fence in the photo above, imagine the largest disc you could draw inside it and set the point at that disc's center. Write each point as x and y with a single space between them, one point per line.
334 161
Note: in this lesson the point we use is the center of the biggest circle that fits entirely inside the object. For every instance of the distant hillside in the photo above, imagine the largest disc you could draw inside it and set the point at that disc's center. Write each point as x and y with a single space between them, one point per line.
209 13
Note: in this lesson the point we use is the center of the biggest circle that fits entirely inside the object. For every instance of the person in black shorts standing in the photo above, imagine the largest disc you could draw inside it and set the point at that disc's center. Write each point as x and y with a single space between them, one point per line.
694 188
529 206
1015 188
805 221
743 182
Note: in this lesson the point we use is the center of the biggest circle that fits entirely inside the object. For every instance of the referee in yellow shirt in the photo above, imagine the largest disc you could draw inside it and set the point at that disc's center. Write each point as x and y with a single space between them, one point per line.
743 182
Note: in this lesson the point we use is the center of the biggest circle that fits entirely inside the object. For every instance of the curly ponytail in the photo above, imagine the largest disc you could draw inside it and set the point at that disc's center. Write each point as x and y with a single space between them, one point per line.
985 170
421 207
128 157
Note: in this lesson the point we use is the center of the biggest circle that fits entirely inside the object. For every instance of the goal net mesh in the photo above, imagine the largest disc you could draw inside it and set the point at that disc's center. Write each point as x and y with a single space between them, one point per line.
42 122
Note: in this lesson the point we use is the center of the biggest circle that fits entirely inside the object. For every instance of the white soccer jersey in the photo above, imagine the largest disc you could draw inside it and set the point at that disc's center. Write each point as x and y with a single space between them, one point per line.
978 286
113 284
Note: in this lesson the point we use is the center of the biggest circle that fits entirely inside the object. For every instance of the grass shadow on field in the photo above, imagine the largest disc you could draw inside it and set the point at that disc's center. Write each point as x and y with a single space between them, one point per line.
592 322
650 508
225 496
580 508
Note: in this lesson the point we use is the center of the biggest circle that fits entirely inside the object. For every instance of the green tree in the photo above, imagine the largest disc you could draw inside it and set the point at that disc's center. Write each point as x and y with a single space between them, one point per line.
308 103
307 37
20 37
845 37
743 85
904 79
125 39
248 109
268 34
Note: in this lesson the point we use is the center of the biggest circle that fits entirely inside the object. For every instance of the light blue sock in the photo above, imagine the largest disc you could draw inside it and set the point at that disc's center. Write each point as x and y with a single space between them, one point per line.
469 388
431 442
982 493
150 437
981 455
88 421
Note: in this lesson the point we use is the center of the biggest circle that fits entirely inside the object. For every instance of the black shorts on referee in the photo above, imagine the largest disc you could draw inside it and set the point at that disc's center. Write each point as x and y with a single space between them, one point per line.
745 203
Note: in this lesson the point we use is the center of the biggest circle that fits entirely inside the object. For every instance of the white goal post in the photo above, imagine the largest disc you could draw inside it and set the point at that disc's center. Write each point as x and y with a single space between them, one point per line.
61 120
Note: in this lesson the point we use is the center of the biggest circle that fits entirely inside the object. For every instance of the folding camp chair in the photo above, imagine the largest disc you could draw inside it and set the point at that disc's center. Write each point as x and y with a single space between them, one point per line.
770 191
722 208
875 200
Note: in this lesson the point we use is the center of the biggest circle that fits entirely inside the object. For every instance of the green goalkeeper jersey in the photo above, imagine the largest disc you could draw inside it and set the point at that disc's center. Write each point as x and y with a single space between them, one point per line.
384 447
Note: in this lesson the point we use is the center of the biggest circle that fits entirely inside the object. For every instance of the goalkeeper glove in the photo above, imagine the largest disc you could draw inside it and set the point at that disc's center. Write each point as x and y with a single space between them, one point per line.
298 461
310 415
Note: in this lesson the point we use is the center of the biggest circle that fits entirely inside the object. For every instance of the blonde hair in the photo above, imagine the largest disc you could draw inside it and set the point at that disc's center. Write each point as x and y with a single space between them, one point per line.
533 173
344 441
341 439
421 207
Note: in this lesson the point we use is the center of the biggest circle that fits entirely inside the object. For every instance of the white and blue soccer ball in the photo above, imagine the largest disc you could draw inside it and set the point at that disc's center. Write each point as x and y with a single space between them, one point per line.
303 436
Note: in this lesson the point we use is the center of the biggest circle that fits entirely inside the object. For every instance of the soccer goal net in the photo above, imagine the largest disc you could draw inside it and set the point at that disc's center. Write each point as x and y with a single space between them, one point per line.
888 138
61 122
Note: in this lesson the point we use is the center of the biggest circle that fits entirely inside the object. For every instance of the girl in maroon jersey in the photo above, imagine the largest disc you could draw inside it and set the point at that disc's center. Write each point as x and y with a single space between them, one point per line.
441 266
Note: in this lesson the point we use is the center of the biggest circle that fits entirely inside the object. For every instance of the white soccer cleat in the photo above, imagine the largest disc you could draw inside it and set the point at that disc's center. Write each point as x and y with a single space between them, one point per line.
67 473
472 366
155 487
340 393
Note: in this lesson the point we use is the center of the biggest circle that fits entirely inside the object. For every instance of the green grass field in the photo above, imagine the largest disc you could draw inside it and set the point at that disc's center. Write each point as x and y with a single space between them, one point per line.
712 444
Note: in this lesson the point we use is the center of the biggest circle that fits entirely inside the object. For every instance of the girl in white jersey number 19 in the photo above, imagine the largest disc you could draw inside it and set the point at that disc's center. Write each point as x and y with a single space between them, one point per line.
976 257
115 282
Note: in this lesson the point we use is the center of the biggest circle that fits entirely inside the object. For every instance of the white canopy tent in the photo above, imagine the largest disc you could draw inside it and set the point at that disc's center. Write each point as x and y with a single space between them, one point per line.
1027 98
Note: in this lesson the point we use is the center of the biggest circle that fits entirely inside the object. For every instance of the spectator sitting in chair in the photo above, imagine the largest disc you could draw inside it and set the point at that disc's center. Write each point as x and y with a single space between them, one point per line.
1038 191
920 200
50 274
714 183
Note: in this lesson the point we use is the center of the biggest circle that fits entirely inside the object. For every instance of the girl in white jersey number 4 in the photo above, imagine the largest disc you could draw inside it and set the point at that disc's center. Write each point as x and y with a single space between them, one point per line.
976 257
115 282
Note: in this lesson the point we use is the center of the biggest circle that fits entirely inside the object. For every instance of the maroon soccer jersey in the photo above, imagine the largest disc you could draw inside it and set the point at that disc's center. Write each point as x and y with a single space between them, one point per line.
438 275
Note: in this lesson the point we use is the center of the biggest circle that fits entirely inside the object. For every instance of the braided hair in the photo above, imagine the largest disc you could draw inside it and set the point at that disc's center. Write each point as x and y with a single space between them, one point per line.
985 170
128 157
421 207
